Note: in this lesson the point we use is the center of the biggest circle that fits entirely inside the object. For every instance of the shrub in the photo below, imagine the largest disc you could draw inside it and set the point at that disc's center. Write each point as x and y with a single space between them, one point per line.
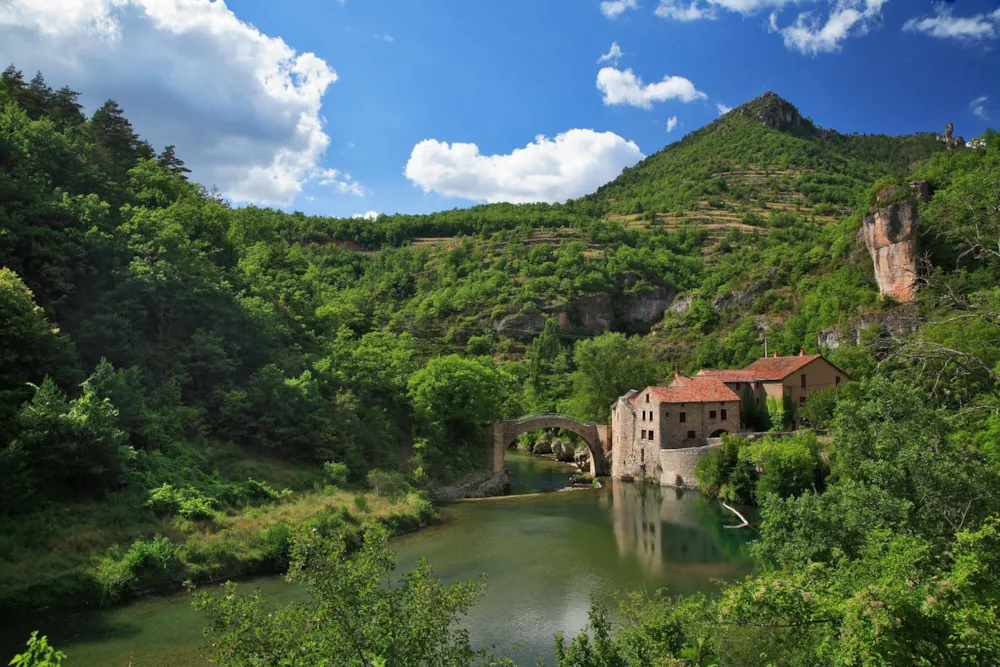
361 503
336 473
164 500
145 564
388 483
478 345
787 465
818 410
716 467
39 654
276 544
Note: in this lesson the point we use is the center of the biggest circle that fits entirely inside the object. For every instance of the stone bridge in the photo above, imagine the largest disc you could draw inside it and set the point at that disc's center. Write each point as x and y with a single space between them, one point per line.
597 436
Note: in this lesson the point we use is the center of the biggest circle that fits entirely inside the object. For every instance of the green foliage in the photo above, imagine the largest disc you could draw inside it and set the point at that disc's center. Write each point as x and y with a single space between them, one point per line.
779 412
38 654
819 409
749 472
359 613
336 473
606 368
145 565
388 483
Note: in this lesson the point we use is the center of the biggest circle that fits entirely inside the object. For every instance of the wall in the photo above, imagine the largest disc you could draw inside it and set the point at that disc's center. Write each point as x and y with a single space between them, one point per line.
672 434
624 436
820 374
678 466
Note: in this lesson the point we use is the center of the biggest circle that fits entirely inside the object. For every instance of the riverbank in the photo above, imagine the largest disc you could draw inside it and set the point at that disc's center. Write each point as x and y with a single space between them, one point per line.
98 554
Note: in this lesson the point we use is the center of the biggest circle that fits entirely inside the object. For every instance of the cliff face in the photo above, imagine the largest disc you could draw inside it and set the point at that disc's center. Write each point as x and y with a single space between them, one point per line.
890 233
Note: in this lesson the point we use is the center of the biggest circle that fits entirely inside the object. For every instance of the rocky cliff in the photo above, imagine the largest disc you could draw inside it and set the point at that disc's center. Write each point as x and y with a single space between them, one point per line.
890 234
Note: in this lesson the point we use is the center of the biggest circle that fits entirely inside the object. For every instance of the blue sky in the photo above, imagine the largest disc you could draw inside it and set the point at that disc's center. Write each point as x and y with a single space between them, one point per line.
233 86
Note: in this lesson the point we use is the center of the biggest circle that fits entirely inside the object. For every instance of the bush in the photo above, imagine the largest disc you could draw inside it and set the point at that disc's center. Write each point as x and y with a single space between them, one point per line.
336 473
818 410
787 466
478 345
388 483
39 654
144 565
716 467
361 503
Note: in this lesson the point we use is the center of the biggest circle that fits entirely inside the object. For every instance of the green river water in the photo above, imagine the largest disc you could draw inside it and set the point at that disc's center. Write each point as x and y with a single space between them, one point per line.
543 556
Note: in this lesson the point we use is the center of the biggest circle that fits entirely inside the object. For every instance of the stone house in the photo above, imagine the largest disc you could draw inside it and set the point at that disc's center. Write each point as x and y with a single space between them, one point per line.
655 431
660 432
794 377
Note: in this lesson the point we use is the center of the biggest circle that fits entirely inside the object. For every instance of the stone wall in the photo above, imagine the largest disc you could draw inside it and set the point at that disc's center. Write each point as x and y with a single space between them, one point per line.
678 466
624 457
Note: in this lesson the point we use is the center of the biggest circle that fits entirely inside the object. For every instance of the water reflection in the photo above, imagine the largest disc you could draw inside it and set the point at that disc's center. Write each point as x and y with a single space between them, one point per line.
674 531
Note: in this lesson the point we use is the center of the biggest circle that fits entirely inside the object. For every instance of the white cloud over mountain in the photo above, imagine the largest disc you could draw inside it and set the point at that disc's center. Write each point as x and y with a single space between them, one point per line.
620 87
547 170
242 107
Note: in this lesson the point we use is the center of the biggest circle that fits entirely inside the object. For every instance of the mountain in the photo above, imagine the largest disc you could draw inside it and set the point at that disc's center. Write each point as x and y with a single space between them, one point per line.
757 157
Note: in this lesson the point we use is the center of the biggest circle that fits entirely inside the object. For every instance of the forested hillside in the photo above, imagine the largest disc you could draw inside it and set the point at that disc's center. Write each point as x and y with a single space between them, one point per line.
170 363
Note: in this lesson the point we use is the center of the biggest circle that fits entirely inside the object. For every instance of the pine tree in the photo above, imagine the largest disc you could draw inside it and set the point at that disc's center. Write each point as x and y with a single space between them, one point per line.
169 160
64 108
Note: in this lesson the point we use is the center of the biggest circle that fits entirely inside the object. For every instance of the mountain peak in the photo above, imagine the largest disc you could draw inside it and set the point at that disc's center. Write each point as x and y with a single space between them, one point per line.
777 113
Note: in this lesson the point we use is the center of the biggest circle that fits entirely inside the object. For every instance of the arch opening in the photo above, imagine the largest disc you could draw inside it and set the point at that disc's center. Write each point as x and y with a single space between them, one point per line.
507 431
719 433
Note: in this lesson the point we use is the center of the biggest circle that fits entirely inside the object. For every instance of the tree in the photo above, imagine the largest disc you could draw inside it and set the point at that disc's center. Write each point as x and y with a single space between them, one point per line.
30 347
606 368
548 369
169 160
358 614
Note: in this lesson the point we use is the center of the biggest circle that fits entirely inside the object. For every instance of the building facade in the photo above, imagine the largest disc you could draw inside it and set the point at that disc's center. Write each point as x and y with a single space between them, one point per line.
659 433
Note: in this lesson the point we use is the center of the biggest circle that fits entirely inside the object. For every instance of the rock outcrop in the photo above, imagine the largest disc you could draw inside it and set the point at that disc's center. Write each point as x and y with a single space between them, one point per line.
682 304
646 307
895 322
474 485
594 312
523 325
741 299
890 234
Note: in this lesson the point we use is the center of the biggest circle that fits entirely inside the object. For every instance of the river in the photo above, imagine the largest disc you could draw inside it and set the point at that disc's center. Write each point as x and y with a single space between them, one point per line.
544 556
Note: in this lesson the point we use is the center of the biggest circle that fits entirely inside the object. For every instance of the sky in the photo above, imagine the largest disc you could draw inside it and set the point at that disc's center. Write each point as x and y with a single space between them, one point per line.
364 107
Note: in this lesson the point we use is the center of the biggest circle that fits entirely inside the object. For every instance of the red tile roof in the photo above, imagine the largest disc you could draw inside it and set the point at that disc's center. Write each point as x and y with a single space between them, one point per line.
728 376
698 389
778 368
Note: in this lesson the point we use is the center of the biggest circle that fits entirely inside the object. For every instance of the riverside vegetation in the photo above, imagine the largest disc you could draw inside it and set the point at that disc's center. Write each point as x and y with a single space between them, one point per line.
175 372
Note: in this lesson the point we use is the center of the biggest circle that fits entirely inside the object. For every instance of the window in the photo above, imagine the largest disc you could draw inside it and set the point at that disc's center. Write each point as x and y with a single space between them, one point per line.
642 456
760 385
647 398
690 435
684 417
758 400
836 381
711 414
802 400
725 414
643 415
737 386
803 379
643 436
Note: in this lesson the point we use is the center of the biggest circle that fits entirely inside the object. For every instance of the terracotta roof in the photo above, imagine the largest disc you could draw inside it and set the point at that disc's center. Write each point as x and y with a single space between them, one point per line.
729 376
698 389
778 368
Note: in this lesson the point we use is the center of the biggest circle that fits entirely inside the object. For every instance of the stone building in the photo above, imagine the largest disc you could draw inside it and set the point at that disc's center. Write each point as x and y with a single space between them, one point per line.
782 377
657 430
659 433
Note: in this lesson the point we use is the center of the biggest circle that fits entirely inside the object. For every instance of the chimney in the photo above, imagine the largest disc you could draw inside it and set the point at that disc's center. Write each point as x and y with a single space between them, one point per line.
765 347
802 351
775 355
677 370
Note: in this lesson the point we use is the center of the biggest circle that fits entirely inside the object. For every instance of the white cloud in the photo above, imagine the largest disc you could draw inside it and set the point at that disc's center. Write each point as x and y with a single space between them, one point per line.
682 10
551 170
722 108
811 35
978 107
626 88
671 123
242 107
370 215
385 37
944 25
613 55
812 32
339 181
615 8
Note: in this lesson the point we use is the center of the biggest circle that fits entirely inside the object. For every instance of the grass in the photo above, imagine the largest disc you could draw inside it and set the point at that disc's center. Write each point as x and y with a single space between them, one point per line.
100 552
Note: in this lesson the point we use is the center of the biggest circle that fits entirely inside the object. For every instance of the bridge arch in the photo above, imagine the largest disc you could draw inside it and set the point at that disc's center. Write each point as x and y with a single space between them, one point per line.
597 436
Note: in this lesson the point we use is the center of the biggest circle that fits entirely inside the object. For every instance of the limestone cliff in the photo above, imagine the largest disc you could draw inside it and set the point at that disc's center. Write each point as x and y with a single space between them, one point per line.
890 233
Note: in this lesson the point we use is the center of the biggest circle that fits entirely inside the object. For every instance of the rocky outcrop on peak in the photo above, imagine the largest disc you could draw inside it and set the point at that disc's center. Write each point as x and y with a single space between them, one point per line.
890 233
777 113
682 304
595 313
